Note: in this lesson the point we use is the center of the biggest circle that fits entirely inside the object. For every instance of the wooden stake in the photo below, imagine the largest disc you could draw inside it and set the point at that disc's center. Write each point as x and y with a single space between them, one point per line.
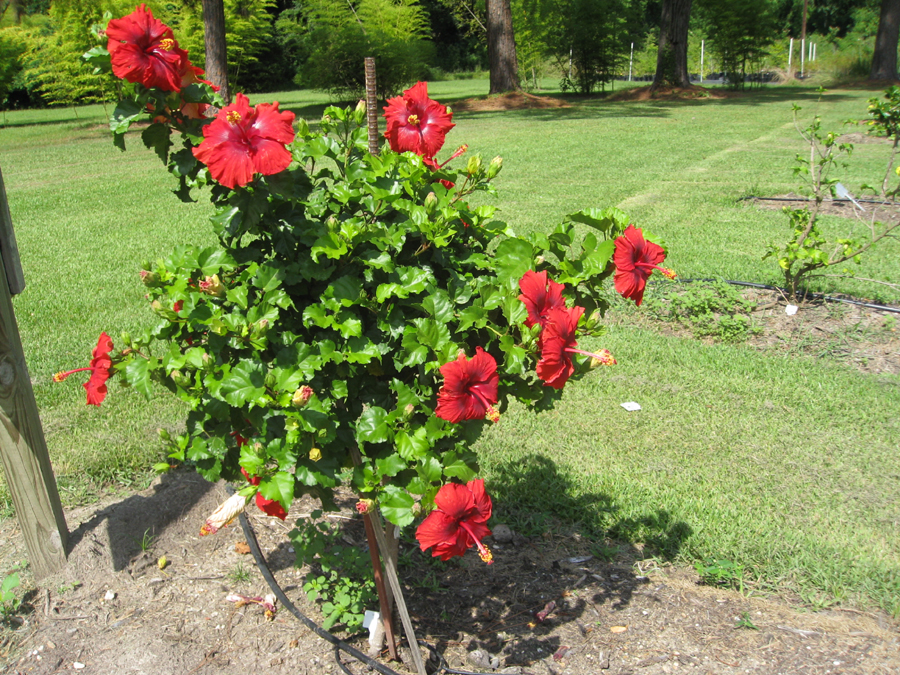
372 106
23 449
384 602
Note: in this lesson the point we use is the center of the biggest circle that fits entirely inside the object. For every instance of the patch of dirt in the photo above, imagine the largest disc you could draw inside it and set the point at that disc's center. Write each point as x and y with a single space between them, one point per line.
870 209
113 611
857 337
670 94
513 100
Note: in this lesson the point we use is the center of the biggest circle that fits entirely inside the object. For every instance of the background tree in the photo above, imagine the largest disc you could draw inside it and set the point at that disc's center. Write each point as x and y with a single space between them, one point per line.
739 34
501 47
589 39
671 59
884 60
214 41
341 35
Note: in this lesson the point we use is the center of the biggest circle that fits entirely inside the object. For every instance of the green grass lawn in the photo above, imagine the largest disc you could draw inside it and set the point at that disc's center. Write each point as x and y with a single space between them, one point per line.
785 464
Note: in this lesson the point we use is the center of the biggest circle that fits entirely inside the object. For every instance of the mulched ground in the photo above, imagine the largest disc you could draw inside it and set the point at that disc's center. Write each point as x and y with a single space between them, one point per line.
112 610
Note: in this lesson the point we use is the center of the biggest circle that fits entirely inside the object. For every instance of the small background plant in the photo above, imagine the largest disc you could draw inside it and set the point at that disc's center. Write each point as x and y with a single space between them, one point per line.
708 309
340 575
10 604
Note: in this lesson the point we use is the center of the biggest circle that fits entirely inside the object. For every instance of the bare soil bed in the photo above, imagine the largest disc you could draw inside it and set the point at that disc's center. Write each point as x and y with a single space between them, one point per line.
114 611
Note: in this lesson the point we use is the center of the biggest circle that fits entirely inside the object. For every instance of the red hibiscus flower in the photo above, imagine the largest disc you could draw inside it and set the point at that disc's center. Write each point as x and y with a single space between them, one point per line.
458 521
271 507
540 294
415 123
243 141
470 388
99 367
143 49
558 344
635 259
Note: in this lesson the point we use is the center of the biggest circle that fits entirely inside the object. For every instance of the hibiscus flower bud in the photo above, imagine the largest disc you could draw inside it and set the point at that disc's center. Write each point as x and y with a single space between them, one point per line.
475 165
222 516
364 506
150 279
212 286
302 395
359 114
207 359
315 455
181 379
431 203
494 167
603 358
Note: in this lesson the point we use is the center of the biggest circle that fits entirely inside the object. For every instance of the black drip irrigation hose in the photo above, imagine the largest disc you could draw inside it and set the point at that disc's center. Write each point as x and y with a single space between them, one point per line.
339 645
815 296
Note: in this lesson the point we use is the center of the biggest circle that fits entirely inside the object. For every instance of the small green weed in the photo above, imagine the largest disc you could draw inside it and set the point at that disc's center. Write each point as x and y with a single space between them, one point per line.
146 542
708 309
9 602
746 622
239 575
345 584
721 573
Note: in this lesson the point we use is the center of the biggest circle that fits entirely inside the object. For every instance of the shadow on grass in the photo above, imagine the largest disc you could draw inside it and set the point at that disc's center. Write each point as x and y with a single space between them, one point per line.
532 494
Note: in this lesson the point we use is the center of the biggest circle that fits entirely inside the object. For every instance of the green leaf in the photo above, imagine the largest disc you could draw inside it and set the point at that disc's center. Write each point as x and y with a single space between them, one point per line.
279 487
372 426
457 468
244 384
137 374
390 465
513 258
430 468
396 505
157 137
268 278
439 306
413 446
125 113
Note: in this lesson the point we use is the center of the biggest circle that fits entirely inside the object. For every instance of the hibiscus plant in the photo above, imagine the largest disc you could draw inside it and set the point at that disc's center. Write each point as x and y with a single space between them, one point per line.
355 302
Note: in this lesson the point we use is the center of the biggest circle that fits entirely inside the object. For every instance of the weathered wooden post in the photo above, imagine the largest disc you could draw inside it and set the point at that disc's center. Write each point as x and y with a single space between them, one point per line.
23 449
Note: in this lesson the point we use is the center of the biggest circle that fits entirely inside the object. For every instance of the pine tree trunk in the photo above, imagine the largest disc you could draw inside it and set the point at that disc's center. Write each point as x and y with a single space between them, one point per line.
216 55
501 47
671 59
884 60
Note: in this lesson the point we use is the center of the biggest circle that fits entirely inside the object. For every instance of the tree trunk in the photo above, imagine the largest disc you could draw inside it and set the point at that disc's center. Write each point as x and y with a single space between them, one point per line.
501 47
884 60
216 55
671 59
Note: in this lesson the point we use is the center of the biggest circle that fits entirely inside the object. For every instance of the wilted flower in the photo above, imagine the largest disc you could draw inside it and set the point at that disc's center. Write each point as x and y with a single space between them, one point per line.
222 516
364 506
271 507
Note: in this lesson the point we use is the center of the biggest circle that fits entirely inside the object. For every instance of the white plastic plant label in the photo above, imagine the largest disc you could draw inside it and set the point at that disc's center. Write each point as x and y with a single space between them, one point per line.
631 406
790 310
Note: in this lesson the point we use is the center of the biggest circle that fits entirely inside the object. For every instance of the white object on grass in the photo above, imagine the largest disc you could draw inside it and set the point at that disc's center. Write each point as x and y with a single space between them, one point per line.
790 310
631 406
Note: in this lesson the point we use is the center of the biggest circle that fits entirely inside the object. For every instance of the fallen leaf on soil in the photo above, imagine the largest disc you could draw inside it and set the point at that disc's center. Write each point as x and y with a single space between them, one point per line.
242 547
618 629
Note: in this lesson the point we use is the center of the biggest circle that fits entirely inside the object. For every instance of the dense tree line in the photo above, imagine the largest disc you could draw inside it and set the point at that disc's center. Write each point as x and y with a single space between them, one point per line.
278 44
